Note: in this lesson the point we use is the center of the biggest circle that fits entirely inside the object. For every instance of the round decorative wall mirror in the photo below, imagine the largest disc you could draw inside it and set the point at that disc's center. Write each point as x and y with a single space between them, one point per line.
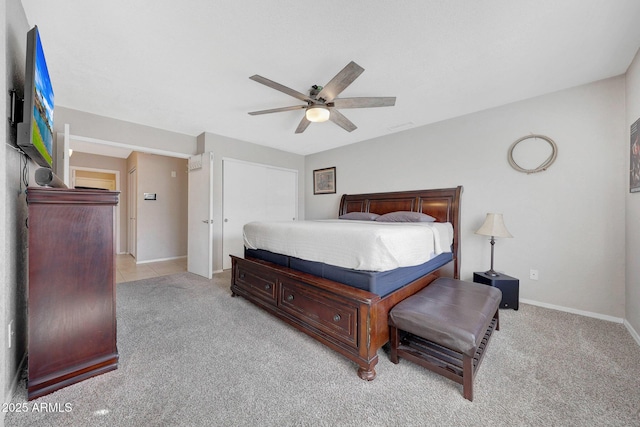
544 165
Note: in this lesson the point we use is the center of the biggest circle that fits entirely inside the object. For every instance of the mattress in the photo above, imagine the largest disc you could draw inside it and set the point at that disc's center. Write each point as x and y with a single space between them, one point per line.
378 282
357 245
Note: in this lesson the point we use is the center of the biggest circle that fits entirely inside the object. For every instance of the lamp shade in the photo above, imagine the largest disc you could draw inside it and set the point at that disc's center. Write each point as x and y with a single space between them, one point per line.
317 113
494 226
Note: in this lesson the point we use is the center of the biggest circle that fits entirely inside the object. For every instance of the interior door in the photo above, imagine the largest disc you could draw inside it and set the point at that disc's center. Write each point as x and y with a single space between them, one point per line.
200 219
132 207
254 192
281 202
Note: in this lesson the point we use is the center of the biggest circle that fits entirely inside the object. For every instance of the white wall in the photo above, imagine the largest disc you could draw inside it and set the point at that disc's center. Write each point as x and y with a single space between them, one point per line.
568 222
120 131
5 255
633 206
162 223
13 213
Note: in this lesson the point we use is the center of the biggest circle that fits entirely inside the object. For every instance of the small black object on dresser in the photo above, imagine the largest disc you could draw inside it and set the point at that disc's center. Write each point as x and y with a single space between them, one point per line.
510 287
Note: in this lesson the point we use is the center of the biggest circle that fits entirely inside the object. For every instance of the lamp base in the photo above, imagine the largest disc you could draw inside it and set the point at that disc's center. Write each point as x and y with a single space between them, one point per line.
492 273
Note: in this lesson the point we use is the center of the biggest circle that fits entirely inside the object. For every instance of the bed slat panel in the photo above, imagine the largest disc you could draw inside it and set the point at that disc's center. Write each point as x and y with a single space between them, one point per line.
440 209
392 205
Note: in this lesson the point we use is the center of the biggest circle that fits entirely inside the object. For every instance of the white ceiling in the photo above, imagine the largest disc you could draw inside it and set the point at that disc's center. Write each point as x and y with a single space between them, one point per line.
184 66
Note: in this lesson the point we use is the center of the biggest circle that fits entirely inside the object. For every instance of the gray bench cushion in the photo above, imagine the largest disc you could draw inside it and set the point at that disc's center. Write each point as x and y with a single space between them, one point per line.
450 312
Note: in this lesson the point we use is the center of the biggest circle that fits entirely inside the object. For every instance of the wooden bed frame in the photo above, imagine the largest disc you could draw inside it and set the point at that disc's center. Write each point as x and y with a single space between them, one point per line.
351 321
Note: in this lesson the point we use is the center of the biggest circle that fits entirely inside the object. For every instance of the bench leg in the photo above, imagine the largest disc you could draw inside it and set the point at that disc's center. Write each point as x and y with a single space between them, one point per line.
394 341
467 377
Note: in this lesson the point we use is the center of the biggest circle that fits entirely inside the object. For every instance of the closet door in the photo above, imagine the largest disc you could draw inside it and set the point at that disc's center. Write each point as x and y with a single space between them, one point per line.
254 192
281 195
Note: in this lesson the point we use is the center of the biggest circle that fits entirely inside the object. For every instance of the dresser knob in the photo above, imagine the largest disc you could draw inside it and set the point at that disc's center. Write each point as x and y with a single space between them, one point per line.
242 275
289 297
267 287
336 318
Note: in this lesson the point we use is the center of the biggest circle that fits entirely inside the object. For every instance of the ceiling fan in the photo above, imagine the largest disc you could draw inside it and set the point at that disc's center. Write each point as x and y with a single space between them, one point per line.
322 103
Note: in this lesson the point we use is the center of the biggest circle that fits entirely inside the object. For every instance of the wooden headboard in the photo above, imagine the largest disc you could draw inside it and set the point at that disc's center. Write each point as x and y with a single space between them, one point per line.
442 203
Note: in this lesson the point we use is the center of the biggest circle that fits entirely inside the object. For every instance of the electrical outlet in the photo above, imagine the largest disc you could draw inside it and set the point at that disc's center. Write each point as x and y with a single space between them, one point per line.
10 334
533 274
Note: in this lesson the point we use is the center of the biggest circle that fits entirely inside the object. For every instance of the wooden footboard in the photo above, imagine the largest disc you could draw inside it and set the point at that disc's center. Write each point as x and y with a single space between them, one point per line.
351 321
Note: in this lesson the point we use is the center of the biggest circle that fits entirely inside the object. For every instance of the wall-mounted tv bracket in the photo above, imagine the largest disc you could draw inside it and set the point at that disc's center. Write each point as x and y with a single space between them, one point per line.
17 108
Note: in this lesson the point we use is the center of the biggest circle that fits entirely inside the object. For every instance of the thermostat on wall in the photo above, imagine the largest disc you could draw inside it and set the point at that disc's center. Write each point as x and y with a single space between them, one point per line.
150 196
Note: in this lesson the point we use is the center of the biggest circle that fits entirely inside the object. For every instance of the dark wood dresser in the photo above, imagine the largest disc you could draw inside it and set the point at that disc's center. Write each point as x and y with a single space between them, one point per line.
71 291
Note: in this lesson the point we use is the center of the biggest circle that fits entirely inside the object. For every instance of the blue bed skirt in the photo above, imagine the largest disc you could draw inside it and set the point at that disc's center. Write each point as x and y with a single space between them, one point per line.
378 282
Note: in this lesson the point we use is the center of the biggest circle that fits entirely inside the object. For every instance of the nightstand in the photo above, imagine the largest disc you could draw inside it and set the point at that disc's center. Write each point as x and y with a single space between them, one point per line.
510 287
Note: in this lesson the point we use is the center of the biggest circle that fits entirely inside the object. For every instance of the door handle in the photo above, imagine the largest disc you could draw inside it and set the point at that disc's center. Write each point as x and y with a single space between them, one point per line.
207 221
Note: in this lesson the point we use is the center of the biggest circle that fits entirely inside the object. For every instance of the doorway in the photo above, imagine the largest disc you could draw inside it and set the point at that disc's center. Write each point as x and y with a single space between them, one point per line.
99 179
129 241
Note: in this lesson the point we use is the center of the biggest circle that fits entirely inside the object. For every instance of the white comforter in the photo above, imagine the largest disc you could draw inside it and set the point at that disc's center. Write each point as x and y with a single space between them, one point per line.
360 245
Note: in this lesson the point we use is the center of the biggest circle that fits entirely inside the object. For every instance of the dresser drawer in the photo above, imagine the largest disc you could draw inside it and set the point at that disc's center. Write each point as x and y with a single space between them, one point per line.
257 282
325 312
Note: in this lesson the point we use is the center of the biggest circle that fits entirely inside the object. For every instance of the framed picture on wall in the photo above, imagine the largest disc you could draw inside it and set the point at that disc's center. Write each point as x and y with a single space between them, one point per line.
634 163
324 181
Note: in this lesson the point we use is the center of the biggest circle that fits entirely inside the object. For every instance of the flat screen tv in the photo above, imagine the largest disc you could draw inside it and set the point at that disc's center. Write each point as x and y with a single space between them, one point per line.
35 133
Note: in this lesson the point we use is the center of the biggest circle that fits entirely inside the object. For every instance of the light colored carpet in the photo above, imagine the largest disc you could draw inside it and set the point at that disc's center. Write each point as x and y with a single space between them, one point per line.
192 355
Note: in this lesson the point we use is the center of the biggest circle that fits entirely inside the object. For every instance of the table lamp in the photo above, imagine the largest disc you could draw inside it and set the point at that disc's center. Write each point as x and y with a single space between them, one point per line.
493 226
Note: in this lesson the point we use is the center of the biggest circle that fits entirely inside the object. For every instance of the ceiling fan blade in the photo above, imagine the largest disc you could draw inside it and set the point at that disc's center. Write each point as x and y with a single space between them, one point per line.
365 102
304 123
338 118
277 86
341 80
278 110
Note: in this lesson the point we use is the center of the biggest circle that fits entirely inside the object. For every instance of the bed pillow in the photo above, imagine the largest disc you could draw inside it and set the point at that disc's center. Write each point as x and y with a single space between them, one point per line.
360 216
405 216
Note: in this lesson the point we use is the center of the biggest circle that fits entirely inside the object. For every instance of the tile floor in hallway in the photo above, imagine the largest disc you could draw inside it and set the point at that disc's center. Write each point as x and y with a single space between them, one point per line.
127 269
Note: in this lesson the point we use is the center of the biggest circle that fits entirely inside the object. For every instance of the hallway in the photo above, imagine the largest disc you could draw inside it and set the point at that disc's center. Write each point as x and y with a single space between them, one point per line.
127 270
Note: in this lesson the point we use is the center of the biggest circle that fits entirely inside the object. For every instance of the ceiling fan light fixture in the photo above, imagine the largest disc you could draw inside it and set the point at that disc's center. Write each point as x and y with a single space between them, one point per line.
317 113
323 103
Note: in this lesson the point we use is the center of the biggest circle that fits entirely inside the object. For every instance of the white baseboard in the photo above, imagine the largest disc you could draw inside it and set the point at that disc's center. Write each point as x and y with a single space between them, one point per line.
626 324
160 259
574 311
16 379
632 331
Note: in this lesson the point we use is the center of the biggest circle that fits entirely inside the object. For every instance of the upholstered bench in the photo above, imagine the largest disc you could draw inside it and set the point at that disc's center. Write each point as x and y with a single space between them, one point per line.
446 328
